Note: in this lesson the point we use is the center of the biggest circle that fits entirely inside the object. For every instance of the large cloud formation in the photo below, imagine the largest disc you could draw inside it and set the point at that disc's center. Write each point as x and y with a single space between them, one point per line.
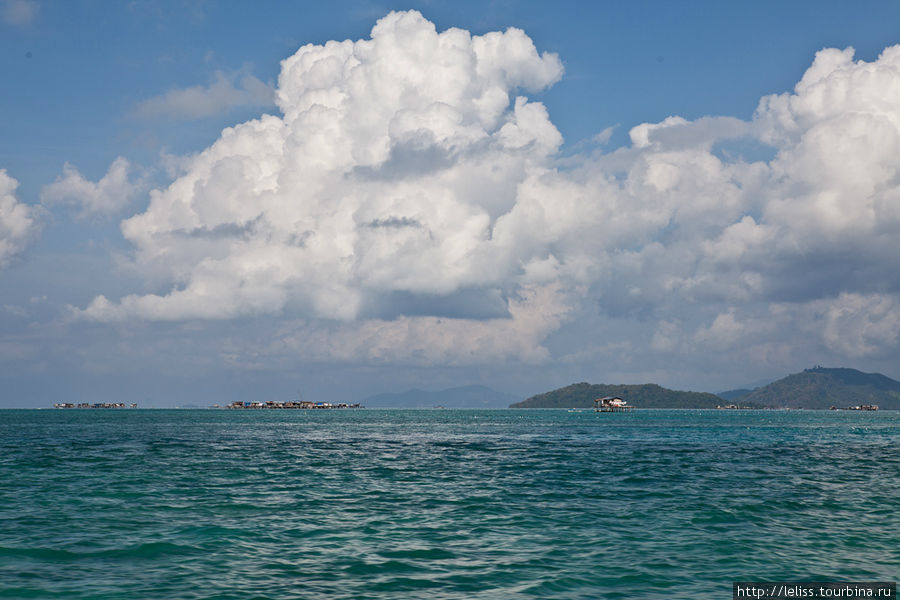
393 161
409 190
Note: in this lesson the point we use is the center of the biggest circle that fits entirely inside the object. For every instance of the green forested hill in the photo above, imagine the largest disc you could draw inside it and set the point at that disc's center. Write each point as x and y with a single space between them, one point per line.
820 387
647 395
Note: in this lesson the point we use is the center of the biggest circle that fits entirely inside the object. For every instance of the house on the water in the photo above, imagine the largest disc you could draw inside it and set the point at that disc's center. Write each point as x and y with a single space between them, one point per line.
611 404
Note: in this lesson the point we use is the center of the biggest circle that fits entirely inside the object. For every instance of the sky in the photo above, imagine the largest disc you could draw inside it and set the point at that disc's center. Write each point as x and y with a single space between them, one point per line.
207 201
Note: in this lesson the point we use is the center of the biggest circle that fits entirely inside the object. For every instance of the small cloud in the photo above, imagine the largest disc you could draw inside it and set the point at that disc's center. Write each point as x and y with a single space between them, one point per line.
724 331
15 311
106 197
227 92
604 136
676 133
20 12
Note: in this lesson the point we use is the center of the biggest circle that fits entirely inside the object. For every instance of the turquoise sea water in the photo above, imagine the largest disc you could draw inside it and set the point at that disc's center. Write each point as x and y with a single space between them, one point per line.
442 504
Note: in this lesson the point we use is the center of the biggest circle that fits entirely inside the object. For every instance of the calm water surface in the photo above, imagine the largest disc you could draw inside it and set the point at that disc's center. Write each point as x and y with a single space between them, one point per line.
442 504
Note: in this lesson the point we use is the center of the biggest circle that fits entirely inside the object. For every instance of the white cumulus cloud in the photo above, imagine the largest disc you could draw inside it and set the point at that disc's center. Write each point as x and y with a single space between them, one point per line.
393 160
18 221
408 175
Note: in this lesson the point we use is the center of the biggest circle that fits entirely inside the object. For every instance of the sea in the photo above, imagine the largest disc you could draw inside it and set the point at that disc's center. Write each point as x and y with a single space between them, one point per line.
442 504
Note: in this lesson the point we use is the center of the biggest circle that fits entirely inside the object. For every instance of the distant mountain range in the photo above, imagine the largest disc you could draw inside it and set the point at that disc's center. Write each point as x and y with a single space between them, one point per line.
470 396
734 394
822 387
647 395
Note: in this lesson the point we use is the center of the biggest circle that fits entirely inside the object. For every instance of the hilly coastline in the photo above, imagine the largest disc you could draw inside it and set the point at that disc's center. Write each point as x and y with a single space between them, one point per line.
822 388
647 395
816 388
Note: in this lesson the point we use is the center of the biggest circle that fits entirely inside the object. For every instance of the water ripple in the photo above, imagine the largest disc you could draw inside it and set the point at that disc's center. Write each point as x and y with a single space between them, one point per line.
441 504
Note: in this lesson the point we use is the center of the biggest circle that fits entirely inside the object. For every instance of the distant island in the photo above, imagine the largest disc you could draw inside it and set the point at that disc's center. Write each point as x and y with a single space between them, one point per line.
822 388
815 388
646 395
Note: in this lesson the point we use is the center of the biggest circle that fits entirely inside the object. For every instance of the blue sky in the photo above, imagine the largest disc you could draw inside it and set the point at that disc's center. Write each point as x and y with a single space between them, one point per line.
742 240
